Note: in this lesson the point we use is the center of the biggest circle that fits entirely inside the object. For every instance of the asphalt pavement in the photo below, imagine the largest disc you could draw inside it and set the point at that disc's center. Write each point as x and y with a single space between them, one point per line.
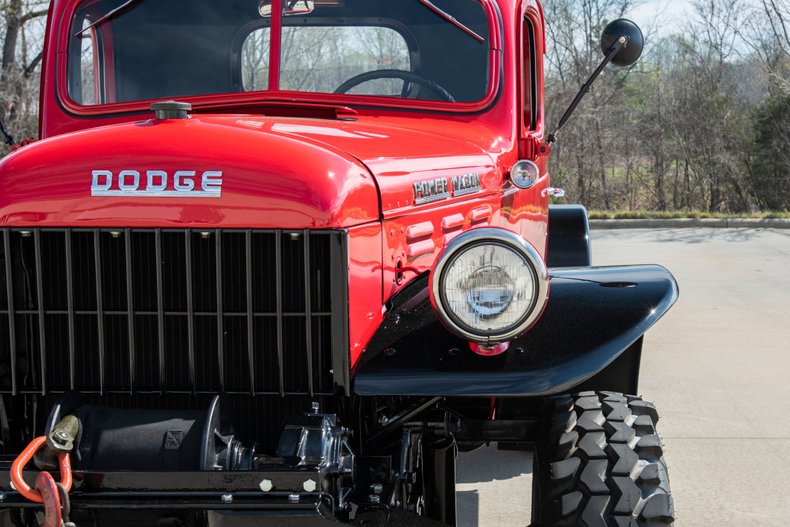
718 368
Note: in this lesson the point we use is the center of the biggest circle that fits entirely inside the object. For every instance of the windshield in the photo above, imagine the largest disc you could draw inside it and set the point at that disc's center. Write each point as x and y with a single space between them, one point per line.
137 50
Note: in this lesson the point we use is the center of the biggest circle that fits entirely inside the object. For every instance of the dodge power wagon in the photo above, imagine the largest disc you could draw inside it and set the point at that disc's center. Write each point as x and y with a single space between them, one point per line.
277 262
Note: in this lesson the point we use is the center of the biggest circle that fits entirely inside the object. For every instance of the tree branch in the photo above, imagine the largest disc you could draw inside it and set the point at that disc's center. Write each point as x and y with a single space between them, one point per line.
27 17
30 68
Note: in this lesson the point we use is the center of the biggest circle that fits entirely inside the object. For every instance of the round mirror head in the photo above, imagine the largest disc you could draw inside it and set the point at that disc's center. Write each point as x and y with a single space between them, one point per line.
633 45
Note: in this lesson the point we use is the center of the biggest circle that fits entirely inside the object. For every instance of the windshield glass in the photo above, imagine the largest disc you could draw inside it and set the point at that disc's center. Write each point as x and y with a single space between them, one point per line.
136 50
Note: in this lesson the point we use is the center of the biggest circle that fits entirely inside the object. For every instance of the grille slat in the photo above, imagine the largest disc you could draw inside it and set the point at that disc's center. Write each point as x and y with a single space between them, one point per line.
308 326
100 322
130 305
160 308
42 338
279 293
10 313
171 311
220 316
250 313
190 307
70 312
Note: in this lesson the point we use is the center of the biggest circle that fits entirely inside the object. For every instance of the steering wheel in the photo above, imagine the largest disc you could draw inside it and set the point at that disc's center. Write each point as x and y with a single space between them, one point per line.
406 76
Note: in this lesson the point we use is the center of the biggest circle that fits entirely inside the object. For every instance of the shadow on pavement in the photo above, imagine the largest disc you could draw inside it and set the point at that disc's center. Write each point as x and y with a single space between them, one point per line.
490 464
468 508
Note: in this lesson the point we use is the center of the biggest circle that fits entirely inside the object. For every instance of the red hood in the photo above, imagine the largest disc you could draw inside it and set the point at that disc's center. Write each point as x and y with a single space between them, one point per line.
284 173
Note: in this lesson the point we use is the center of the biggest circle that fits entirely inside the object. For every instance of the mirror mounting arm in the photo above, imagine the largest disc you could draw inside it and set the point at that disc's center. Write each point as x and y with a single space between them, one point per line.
619 44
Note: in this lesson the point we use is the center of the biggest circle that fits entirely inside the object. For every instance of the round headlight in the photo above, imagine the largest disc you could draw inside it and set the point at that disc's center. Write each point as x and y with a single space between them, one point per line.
489 285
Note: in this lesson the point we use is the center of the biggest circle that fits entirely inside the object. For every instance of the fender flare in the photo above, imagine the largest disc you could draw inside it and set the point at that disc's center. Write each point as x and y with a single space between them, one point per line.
569 237
592 317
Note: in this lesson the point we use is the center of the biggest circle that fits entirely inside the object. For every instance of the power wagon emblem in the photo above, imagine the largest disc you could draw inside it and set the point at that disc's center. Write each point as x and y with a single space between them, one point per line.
440 188
157 184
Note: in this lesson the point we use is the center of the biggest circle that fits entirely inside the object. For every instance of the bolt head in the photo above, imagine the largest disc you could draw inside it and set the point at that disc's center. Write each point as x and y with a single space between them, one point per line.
374 499
266 485
377 488
293 498
309 485
227 498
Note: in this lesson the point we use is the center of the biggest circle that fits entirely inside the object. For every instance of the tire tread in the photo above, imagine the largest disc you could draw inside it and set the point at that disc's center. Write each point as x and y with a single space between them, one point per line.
601 464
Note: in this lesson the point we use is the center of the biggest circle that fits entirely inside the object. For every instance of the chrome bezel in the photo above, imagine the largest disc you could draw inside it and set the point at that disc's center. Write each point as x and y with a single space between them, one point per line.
482 236
523 183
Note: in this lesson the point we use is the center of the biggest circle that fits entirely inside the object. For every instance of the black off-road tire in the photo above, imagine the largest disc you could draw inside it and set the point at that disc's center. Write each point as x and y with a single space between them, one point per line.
600 462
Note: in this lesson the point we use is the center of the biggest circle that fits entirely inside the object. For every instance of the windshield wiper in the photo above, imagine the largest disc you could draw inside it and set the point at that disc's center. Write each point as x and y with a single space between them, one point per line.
107 16
450 18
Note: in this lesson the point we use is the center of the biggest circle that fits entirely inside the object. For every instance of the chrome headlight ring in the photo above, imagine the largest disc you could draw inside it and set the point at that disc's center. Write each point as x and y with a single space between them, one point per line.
489 285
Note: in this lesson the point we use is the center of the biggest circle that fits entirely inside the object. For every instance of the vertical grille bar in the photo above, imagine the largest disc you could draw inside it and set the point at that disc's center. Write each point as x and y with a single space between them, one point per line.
130 306
99 306
42 329
71 315
339 294
190 311
278 258
250 318
220 313
160 309
11 313
308 313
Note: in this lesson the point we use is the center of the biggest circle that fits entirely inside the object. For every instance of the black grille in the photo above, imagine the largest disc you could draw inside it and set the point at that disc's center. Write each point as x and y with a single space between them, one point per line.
161 311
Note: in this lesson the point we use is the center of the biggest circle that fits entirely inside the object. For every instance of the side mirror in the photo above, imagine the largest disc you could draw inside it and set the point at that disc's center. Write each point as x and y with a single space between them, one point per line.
290 7
621 43
632 48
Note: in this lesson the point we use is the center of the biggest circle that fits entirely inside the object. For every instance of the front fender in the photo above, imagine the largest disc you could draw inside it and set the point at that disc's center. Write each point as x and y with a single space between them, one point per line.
593 315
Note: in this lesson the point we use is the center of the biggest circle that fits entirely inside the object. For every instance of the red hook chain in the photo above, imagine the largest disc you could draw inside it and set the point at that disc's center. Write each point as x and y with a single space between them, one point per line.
24 458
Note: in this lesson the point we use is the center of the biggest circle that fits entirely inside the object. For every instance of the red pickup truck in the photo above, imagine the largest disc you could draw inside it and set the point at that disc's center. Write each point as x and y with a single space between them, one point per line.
276 262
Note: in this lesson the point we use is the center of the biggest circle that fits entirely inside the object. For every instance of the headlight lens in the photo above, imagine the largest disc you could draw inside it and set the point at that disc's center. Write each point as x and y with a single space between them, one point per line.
489 285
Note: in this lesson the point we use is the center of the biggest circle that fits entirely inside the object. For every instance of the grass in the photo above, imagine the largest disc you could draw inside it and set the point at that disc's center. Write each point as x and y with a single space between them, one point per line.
649 215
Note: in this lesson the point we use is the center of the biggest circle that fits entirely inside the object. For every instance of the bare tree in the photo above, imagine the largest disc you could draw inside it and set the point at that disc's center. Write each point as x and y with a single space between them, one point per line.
22 46
768 36
582 161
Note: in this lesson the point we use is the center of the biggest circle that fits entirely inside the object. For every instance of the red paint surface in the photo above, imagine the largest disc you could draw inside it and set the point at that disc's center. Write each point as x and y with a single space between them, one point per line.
310 171
489 351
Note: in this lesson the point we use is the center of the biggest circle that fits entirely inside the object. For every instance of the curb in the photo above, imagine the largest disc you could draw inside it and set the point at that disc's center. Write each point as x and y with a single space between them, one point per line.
681 223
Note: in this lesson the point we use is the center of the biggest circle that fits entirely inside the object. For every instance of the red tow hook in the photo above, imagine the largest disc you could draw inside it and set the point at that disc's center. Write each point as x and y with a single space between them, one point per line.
24 458
55 496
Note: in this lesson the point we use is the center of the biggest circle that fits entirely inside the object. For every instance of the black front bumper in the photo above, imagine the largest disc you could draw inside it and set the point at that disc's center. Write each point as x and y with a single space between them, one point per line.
229 498
592 317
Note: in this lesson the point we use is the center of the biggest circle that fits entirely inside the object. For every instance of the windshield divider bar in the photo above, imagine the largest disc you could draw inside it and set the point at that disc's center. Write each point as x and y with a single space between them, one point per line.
275 39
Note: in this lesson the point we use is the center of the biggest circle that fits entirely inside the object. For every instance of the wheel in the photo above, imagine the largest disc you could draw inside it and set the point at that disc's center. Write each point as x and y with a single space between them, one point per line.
406 76
599 462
